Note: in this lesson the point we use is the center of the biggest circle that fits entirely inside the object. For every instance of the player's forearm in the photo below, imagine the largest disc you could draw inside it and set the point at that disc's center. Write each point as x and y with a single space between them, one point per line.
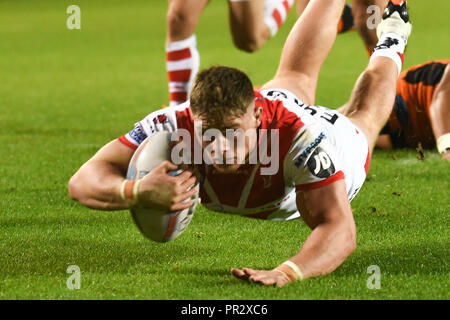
97 185
440 118
328 245
440 114
440 122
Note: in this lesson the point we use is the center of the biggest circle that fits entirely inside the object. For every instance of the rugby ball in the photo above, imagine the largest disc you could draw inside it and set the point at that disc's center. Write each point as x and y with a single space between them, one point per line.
157 225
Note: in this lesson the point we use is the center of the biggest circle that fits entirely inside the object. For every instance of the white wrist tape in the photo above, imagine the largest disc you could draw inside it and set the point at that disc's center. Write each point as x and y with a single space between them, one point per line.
443 143
122 189
129 190
294 267
136 191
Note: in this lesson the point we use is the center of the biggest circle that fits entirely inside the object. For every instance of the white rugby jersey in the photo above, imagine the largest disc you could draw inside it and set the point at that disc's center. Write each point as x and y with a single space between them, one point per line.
316 146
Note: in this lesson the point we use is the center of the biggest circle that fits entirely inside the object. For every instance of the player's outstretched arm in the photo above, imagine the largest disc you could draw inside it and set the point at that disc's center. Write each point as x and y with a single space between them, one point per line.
306 48
440 114
327 212
97 184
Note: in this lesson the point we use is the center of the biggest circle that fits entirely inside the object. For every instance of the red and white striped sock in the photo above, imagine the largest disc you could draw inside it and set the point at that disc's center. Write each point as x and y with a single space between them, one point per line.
275 13
182 63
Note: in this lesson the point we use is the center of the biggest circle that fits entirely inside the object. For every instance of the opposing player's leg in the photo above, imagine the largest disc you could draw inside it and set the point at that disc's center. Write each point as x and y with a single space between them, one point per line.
182 57
440 114
364 16
253 22
373 95
346 23
306 48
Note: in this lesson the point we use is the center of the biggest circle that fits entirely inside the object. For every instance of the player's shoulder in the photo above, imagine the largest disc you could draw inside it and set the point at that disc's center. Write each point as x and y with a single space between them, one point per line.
283 107
291 111
165 119
428 73
168 116
302 127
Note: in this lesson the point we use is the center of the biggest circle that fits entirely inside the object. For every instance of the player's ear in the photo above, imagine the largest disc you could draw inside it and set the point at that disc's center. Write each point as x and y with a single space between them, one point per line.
257 113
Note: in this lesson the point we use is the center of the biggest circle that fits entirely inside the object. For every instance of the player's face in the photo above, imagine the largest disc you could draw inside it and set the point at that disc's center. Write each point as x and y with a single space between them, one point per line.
237 138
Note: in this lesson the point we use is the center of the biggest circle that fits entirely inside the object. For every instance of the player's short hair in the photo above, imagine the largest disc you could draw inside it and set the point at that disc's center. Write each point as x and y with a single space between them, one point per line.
220 93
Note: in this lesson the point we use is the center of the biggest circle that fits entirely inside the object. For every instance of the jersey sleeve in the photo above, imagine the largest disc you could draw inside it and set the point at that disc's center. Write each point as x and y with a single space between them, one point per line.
312 161
161 120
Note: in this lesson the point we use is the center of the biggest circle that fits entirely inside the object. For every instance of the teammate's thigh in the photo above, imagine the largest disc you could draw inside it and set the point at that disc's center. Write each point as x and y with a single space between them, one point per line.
302 86
301 5
182 18
306 48
247 25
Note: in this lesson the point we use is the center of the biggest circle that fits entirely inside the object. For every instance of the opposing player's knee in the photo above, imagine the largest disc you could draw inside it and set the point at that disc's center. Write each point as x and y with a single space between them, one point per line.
384 142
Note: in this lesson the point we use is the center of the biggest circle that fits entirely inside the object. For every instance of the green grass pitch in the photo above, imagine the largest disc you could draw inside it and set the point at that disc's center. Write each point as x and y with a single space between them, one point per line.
64 93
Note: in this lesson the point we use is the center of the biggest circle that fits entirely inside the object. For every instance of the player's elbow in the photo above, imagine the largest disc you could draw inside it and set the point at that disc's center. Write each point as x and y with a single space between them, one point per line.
350 239
346 231
75 188
351 245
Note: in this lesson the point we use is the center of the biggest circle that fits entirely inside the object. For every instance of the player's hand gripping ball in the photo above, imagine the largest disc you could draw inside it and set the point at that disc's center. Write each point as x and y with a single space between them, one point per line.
157 224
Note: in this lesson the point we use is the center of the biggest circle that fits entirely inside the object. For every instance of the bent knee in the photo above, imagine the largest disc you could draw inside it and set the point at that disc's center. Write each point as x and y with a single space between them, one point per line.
249 39
249 43
180 25
247 46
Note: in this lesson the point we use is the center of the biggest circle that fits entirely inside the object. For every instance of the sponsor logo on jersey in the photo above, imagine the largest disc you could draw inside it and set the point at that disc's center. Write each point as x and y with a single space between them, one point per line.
275 94
302 157
160 119
138 134
320 164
